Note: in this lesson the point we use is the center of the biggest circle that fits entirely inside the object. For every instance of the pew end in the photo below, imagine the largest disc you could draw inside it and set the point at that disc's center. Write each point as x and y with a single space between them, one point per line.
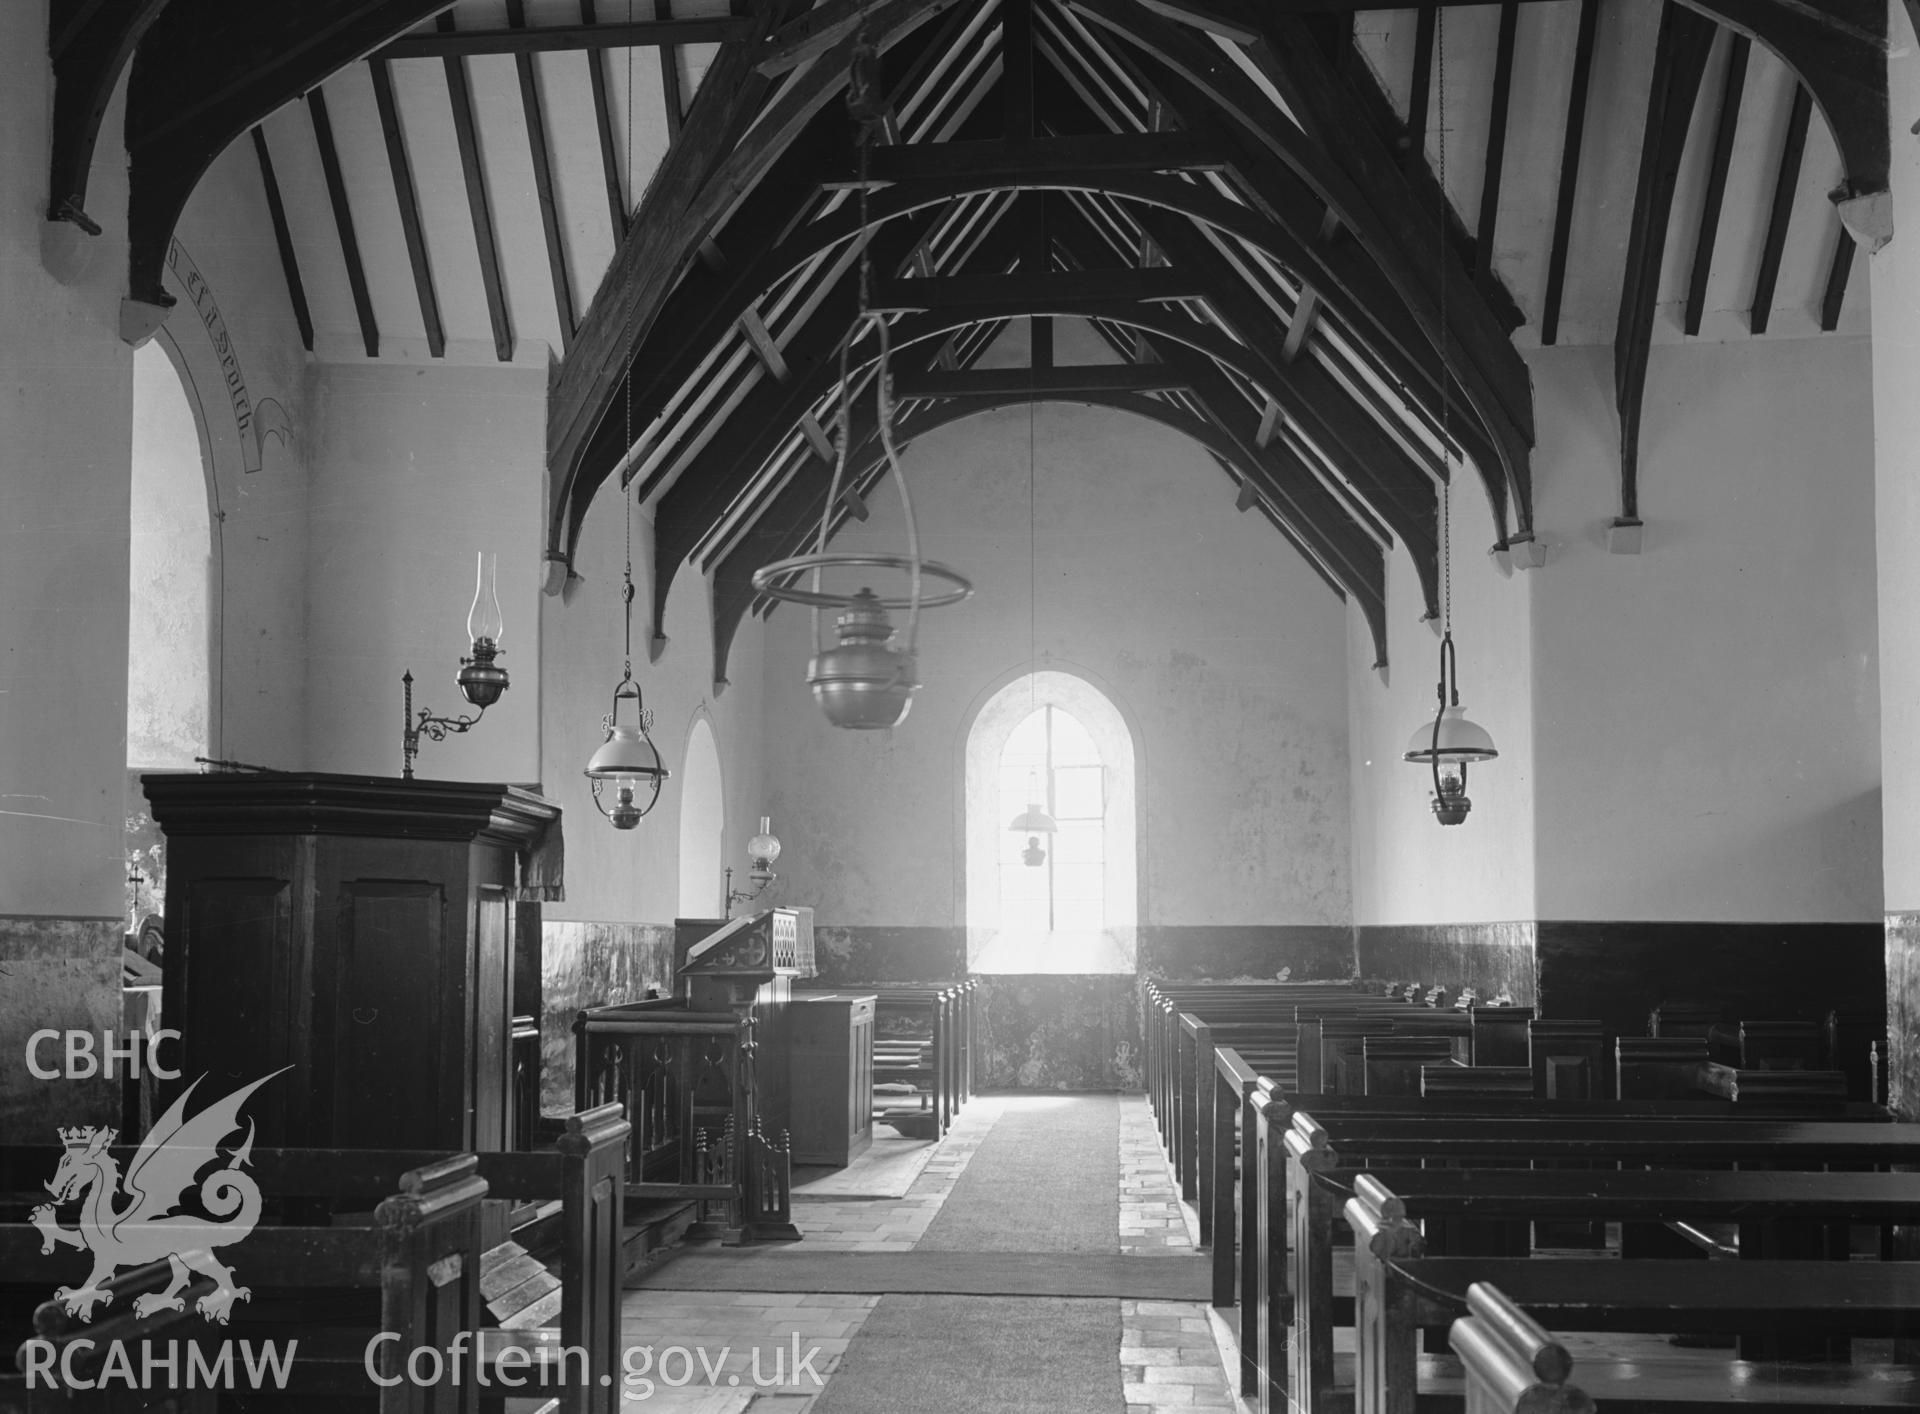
1512 1365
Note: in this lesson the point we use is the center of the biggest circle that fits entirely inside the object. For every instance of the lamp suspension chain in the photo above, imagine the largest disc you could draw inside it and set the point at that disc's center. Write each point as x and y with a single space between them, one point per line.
1033 556
1446 745
627 766
867 680
627 400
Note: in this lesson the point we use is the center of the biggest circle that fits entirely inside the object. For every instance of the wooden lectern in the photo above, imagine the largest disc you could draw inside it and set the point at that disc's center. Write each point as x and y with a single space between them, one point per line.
372 934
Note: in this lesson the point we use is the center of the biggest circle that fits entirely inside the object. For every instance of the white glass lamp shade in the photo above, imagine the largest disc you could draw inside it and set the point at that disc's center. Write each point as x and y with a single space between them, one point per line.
764 848
1033 821
629 766
1461 740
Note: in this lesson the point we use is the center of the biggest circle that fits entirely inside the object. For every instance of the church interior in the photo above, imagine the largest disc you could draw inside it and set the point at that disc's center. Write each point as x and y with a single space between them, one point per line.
1049 705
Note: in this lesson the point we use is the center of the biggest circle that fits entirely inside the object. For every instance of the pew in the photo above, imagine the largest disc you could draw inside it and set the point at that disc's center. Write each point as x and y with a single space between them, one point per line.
1180 1069
939 1022
1568 1059
1319 1163
1510 1362
1392 1065
583 1173
1399 1291
1260 1272
412 1271
1477 1081
1499 1035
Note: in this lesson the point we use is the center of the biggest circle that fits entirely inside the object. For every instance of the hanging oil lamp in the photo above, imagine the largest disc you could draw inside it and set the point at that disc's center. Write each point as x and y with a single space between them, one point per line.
866 679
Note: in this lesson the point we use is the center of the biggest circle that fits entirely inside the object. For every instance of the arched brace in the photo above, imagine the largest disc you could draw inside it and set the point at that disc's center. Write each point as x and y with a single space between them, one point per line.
1360 182
792 519
208 70
1356 293
1839 51
91 44
727 466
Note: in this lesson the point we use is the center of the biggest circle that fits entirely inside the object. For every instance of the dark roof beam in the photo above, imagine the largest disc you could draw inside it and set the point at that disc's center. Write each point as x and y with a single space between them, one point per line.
543 185
1725 132
283 238
1785 184
343 221
1837 273
548 39
1501 100
466 131
1569 170
1681 58
617 209
1034 162
1066 288
407 199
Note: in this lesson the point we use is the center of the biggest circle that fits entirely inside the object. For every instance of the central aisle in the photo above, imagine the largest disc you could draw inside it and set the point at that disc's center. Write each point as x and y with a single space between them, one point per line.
1020 1275
1045 1179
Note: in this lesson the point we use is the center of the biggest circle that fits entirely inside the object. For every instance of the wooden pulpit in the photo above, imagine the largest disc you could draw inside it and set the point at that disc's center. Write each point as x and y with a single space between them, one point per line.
372 934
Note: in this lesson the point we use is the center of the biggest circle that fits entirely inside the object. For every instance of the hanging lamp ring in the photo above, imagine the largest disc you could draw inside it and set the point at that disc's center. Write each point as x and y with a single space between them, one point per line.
767 580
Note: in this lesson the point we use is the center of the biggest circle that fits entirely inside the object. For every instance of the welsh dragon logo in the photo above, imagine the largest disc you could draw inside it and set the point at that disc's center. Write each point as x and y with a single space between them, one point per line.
150 1224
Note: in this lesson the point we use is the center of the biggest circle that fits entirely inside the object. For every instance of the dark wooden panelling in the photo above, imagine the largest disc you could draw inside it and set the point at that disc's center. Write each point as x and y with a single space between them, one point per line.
386 1062
1215 952
244 1028
1485 956
1618 972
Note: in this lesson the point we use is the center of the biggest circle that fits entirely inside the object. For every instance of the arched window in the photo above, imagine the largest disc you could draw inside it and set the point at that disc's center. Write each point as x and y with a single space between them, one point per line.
169 716
1054 740
702 822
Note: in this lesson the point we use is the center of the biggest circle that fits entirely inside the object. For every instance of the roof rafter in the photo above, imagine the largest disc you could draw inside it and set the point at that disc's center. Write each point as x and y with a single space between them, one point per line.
1785 184
1724 133
1571 143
